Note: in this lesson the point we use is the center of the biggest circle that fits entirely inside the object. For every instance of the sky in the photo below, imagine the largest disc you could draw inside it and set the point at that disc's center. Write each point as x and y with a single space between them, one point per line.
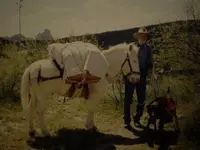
77 17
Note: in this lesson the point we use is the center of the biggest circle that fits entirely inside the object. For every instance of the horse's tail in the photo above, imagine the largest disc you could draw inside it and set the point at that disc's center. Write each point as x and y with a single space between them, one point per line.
25 89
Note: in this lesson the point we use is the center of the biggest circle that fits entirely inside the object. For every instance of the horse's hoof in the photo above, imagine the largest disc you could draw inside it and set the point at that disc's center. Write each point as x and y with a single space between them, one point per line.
32 133
147 129
160 130
93 129
178 131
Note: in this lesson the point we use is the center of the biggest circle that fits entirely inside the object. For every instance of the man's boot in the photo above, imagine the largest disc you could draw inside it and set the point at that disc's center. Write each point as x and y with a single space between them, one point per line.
139 113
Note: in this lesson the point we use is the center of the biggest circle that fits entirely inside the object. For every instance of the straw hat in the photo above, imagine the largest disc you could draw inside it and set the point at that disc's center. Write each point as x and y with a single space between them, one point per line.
141 32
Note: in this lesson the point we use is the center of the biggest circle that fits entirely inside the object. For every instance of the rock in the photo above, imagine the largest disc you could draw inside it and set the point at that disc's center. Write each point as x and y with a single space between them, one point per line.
45 35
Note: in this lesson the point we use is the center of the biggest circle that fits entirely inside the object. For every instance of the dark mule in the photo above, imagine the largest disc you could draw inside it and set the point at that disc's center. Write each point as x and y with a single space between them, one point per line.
164 110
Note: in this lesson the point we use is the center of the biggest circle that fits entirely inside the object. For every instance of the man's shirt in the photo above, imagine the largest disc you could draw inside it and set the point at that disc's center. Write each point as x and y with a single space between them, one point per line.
145 58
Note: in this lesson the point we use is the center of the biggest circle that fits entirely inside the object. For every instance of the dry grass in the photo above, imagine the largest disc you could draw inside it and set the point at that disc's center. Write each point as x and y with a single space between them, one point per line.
66 123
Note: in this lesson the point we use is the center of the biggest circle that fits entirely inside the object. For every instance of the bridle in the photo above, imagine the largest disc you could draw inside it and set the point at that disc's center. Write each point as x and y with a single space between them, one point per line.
130 67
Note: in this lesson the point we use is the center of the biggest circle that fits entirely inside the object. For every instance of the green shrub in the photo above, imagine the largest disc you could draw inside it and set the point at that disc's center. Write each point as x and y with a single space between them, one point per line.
12 67
10 74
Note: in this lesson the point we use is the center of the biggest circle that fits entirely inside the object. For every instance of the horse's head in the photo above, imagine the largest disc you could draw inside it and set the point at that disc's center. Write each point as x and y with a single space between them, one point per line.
117 55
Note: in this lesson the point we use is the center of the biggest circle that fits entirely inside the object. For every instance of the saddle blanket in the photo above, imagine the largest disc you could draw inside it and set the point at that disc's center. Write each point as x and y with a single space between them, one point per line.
78 56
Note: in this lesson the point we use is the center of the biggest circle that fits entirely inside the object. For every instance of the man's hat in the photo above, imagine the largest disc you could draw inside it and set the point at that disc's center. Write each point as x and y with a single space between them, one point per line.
141 32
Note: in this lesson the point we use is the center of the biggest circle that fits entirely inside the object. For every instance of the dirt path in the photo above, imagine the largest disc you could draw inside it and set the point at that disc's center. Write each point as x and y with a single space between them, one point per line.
66 123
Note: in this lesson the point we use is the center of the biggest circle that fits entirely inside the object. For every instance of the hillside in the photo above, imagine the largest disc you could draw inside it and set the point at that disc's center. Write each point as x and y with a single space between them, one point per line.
110 38
105 39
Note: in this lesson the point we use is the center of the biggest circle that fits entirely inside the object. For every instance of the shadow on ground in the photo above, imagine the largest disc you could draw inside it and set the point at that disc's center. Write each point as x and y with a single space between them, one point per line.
163 139
80 139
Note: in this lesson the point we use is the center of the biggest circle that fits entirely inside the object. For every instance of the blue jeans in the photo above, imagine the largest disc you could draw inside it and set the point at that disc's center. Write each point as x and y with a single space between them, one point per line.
141 97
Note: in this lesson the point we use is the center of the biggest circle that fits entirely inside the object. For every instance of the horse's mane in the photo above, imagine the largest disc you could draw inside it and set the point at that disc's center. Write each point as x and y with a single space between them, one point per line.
115 48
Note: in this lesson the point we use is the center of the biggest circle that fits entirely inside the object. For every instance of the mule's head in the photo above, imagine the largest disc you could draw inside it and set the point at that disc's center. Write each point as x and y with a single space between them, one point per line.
117 55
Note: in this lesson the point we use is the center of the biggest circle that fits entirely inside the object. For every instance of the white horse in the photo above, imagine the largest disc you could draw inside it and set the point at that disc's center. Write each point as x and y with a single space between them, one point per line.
34 95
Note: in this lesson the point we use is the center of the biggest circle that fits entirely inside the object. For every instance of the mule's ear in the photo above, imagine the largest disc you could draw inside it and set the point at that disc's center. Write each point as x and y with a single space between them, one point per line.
131 47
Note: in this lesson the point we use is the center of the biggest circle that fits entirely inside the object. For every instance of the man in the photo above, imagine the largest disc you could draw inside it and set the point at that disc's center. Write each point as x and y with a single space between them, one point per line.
145 62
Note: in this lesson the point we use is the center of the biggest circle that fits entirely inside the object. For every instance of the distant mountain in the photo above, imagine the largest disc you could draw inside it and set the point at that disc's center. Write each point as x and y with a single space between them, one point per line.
17 38
6 38
14 38
45 35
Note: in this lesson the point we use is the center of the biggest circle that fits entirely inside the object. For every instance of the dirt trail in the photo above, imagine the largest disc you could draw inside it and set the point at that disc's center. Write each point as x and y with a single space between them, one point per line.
66 123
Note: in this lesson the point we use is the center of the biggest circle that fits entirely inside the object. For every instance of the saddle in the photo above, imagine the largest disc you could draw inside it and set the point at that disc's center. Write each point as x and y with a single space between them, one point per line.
73 80
76 80
161 107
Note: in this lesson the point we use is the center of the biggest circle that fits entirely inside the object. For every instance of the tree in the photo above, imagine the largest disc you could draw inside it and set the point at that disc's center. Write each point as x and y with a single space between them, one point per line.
188 43
19 3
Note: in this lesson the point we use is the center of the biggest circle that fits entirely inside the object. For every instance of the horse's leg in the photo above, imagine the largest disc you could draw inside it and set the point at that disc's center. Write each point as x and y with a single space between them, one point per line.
161 124
92 102
41 111
176 123
31 111
97 91
149 122
154 122
90 121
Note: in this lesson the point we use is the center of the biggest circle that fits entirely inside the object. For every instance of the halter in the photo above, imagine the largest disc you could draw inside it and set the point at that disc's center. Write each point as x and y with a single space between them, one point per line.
130 67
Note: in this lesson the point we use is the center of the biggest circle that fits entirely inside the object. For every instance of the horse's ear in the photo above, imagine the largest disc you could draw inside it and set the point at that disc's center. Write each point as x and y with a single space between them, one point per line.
130 47
168 90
